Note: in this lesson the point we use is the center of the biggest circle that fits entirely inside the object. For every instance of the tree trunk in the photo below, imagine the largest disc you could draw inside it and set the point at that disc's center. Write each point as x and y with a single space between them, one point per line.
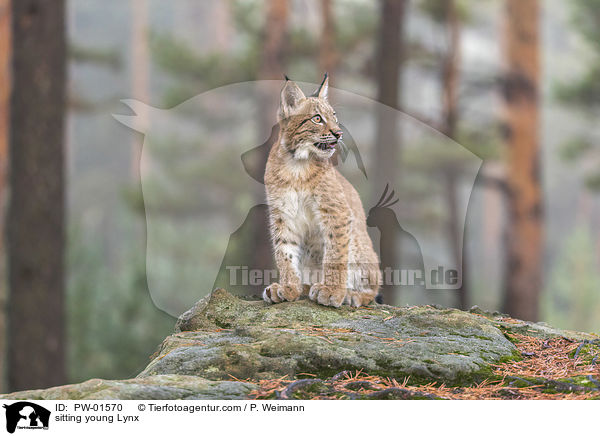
36 356
450 81
523 275
451 70
387 142
275 41
327 52
222 26
271 67
5 49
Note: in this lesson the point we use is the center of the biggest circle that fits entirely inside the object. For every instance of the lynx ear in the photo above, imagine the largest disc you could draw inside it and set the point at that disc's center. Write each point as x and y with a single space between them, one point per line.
291 94
323 91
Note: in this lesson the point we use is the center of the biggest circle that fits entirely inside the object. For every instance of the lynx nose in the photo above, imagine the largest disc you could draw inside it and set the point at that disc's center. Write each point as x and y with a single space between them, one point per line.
338 134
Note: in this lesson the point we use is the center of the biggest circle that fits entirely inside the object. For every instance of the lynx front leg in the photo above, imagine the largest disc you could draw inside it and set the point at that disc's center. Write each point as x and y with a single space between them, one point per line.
287 258
333 289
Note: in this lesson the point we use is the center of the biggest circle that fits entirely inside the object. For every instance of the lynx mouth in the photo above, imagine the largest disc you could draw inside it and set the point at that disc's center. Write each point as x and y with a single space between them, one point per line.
327 145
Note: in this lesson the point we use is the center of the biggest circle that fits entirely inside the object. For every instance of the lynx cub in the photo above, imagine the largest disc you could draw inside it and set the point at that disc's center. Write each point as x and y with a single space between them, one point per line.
317 222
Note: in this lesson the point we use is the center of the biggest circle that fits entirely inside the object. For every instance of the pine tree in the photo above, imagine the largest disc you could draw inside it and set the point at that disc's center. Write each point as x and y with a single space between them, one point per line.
521 95
36 258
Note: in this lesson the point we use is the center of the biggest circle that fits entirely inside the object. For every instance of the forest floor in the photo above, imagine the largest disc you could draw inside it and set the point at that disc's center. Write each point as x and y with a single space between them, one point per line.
557 368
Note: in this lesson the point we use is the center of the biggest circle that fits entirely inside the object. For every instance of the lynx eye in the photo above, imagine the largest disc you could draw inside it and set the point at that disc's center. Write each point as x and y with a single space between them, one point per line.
317 119
335 117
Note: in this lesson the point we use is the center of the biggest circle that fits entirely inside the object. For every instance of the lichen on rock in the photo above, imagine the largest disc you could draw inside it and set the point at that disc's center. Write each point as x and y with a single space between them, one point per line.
160 387
224 336
227 347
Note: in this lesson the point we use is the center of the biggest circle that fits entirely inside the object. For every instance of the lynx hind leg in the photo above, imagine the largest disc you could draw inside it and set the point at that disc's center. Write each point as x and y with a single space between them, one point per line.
365 288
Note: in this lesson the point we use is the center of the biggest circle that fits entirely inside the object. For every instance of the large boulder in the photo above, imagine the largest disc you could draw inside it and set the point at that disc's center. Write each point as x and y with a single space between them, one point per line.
160 387
227 347
224 336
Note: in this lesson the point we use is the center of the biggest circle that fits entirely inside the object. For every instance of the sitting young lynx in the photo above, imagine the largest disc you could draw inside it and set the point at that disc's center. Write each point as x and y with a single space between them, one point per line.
317 222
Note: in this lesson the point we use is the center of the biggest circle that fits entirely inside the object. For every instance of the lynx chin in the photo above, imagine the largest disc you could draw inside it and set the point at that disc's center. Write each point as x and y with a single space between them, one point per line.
317 222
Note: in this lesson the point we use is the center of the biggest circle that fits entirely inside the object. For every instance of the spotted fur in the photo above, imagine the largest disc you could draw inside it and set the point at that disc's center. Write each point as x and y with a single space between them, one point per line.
317 222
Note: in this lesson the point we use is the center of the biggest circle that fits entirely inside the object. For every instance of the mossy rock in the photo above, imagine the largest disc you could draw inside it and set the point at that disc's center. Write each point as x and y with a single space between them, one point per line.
224 336
160 387
528 328
224 340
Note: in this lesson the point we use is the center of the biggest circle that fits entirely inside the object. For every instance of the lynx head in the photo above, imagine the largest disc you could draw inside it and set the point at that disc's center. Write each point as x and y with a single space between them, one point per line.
309 126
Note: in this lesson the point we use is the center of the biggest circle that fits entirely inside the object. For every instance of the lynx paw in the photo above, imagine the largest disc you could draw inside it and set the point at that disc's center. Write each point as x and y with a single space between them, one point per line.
327 295
276 293
357 299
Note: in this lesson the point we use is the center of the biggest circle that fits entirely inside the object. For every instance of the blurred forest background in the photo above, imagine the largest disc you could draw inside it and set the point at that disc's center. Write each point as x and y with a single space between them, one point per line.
515 81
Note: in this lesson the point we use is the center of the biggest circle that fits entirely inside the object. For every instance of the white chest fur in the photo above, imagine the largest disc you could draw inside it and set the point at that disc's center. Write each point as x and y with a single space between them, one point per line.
300 210
301 225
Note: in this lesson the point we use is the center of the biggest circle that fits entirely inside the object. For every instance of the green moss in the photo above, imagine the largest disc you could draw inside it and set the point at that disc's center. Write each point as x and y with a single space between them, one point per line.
470 379
432 344
587 352
581 381
520 382
560 386
515 357
310 391
506 332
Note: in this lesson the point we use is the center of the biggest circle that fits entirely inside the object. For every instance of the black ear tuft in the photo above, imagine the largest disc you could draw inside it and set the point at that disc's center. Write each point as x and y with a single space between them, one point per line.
286 77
